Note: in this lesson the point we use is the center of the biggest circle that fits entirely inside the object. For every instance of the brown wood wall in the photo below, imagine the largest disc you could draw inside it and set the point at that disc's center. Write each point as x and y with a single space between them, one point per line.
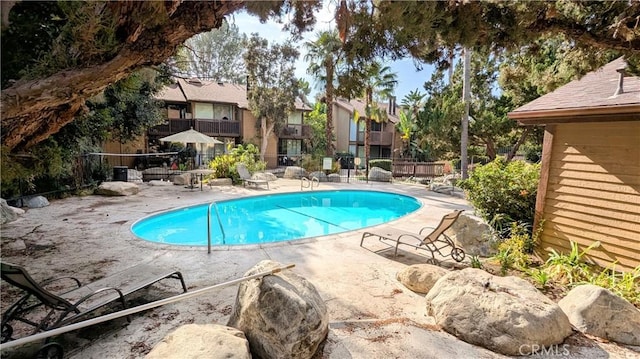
593 191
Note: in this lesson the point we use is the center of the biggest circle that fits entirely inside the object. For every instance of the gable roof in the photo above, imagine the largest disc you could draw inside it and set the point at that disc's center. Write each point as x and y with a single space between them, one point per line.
359 105
195 90
593 96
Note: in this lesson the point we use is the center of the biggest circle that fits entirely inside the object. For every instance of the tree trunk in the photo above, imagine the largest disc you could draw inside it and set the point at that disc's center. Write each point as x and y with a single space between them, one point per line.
518 143
466 98
367 131
329 98
265 130
32 110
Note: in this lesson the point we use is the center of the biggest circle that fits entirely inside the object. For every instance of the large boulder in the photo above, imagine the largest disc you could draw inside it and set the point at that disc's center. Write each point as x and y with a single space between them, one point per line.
507 315
474 235
182 179
294 172
596 311
37 202
6 213
334 177
379 175
420 278
202 341
117 189
321 176
282 315
264 176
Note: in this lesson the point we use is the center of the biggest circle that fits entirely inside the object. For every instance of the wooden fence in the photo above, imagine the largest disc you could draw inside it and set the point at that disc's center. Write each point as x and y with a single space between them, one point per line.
417 169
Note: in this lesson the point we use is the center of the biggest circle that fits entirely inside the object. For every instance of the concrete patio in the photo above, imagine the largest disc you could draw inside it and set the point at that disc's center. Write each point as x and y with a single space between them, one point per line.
371 314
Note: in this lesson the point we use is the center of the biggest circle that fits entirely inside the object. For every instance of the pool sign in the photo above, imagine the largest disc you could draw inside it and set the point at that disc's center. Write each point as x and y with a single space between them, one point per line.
326 163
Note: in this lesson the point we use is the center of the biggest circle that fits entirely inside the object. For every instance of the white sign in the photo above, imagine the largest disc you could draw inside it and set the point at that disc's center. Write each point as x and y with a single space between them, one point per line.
326 163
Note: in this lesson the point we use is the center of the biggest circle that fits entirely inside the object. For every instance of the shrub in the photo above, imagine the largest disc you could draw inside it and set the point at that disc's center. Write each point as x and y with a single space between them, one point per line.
225 166
384 164
504 190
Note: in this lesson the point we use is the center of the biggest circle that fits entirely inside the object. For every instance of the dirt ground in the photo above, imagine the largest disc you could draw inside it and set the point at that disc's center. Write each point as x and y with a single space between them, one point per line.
371 314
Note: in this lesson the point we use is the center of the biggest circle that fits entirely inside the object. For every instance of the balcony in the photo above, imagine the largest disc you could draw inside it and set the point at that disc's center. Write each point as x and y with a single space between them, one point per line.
377 138
295 131
214 128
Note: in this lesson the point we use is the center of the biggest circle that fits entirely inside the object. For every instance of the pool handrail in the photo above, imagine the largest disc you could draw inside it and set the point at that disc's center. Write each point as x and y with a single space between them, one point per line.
310 185
209 225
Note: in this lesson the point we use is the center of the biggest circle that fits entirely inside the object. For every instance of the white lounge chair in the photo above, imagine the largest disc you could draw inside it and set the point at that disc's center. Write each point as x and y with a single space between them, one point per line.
246 176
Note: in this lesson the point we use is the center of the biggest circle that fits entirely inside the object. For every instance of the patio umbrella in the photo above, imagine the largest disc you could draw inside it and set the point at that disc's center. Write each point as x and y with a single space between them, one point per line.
190 136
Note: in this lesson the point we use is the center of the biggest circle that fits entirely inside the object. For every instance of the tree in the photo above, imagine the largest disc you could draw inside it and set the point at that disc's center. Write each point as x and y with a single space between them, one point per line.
272 85
214 55
377 82
413 104
317 119
324 54
86 46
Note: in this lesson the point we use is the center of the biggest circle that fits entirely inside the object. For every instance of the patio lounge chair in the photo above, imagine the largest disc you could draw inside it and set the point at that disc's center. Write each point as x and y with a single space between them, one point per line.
246 176
432 239
43 309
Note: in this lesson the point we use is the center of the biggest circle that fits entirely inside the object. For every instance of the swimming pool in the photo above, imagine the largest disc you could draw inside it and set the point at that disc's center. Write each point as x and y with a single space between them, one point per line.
275 217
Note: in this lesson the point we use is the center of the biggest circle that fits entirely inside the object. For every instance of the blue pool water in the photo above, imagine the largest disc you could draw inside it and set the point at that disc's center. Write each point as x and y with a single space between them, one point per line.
275 218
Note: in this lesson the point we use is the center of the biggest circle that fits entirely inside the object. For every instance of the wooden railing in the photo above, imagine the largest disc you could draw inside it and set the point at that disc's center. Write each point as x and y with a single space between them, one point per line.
377 138
295 131
224 128
417 169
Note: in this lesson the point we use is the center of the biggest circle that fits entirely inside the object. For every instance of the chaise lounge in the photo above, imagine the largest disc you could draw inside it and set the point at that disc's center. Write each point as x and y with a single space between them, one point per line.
432 239
43 309
246 176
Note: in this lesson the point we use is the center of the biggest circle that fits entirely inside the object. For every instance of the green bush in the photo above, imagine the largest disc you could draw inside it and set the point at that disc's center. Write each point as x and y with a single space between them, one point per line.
384 164
225 166
504 190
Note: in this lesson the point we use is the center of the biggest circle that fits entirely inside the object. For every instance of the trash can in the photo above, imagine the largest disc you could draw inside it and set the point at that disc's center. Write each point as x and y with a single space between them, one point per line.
120 173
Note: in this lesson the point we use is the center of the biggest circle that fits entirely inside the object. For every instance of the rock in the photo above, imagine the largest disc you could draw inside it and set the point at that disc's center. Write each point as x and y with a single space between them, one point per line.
282 315
473 235
220 182
596 311
379 175
160 183
117 188
37 202
507 315
420 277
6 213
134 175
205 341
294 172
334 177
264 176
182 179
321 176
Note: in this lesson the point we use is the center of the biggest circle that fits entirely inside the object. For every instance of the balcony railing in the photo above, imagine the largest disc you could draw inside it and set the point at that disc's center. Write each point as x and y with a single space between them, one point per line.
223 128
377 138
295 131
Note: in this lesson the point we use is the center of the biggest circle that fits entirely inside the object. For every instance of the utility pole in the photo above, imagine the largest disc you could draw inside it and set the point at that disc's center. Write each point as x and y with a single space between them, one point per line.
466 98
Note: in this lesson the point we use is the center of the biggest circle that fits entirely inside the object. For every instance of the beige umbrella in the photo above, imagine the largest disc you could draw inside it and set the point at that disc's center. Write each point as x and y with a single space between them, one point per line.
190 136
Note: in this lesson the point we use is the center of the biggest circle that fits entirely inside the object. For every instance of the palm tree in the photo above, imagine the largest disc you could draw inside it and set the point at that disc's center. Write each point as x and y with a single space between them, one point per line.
378 82
324 55
413 102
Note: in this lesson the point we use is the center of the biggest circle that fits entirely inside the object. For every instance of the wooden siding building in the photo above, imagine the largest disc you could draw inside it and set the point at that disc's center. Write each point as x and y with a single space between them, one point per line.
590 177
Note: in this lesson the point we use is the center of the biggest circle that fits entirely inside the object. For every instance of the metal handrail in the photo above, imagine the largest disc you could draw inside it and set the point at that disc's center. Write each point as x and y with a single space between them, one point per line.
316 179
302 181
310 182
209 225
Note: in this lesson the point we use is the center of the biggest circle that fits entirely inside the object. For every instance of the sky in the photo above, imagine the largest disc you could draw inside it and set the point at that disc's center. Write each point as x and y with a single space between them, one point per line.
409 78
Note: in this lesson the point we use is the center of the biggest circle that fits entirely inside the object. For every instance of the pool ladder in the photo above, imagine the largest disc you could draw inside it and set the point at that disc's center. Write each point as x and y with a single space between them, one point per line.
209 225
308 183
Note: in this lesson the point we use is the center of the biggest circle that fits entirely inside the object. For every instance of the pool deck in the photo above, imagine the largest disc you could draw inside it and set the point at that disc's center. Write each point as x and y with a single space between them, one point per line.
371 314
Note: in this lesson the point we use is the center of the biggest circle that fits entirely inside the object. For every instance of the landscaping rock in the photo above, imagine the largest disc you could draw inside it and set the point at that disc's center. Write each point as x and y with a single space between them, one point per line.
6 212
134 175
182 179
379 175
333 177
294 172
420 277
264 176
282 315
473 235
596 311
321 176
117 189
507 315
160 183
220 182
37 202
202 341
